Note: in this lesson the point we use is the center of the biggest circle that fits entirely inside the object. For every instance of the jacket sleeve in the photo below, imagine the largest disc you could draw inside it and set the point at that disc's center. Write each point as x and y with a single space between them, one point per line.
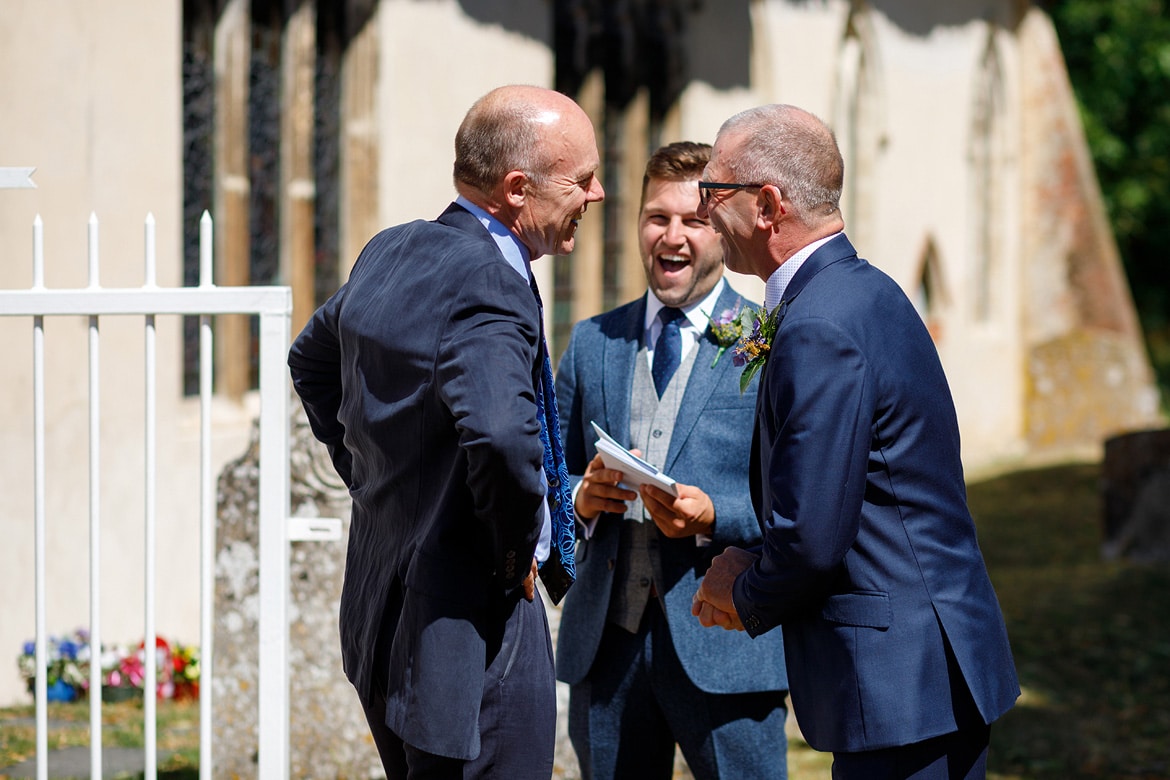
821 405
315 365
484 372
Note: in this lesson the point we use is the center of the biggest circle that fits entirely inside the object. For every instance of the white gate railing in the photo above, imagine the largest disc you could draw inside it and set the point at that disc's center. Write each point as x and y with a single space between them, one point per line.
273 306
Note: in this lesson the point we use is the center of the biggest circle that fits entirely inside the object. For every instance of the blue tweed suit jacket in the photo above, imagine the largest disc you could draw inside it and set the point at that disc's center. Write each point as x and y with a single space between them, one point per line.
710 449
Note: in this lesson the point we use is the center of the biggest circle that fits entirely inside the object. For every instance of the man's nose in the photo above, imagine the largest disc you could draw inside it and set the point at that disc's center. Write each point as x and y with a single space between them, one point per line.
596 192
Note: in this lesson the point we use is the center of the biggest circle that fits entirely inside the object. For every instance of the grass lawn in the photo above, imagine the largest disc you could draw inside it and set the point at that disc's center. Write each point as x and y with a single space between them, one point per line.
1091 642
1091 639
178 732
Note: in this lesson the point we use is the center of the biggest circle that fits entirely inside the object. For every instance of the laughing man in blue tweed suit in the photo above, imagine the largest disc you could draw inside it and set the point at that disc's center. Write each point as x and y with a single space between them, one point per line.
643 674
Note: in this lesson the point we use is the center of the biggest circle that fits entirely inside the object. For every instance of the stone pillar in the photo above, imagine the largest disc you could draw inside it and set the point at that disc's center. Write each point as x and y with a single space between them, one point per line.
631 277
297 186
1088 373
586 260
359 145
232 190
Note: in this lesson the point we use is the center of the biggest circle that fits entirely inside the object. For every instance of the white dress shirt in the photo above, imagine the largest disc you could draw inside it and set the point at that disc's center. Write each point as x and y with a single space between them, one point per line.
777 283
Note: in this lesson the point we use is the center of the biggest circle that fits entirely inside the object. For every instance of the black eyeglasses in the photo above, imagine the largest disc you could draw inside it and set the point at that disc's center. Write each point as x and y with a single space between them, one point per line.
705 188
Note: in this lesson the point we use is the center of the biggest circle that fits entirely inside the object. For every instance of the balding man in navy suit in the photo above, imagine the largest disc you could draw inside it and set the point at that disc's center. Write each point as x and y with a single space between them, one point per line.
428 377
898 657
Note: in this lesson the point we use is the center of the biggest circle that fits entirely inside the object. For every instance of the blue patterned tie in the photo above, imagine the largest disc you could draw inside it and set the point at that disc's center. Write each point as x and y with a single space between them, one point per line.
668 348
559 571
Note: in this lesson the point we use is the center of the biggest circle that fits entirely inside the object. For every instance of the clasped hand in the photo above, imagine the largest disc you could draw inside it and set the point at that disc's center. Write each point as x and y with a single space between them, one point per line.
690 513
713 604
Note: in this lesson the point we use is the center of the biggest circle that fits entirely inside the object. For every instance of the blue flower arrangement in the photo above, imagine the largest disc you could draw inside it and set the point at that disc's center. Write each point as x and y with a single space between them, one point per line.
123 668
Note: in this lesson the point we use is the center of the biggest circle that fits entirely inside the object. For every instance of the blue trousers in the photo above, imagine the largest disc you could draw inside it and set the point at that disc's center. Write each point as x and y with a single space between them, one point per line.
638 702
960 755
517 716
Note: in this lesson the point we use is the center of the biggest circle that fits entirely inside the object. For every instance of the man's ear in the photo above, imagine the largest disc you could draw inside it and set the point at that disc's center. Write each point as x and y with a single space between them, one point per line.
514 186
770 208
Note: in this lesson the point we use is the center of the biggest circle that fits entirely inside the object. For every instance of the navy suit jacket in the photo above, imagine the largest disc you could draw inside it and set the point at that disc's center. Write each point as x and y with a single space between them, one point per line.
419 375
708 448
869 559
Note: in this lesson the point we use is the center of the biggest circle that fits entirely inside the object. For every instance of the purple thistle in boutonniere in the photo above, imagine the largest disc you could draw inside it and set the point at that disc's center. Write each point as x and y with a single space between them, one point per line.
727 329
753 349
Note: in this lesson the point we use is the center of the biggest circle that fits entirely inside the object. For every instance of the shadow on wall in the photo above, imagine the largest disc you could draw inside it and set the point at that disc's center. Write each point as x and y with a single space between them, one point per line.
512 16
921 17
719 43
717 35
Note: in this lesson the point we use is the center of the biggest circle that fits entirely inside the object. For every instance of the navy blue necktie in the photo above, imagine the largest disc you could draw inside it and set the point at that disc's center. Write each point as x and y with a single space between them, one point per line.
559 571
668 348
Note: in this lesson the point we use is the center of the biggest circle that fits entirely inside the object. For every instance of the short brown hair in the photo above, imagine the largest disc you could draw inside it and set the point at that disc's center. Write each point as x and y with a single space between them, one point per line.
680 161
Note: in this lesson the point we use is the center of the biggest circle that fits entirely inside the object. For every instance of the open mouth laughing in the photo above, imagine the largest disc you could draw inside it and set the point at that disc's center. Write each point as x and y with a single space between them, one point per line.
673 263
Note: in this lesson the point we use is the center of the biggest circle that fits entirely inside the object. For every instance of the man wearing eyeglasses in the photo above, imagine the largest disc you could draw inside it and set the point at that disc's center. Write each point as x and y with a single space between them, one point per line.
643 675
428 377
897 653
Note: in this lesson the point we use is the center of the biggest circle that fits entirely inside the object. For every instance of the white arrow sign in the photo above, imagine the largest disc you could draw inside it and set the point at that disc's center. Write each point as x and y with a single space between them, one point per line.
16 179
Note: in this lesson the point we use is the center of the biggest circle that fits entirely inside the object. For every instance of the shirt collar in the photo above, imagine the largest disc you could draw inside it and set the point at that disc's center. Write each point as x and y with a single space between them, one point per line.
778 282
514 251
698 314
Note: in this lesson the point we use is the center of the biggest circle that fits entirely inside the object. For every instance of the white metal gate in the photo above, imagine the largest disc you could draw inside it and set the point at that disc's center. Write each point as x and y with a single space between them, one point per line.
273 306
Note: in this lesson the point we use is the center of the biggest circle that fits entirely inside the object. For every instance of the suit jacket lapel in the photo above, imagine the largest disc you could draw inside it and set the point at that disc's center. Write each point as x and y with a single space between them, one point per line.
831 252
703 379
460 218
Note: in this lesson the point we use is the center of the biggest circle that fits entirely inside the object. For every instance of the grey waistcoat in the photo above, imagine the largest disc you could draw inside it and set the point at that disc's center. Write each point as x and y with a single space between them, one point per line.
651 425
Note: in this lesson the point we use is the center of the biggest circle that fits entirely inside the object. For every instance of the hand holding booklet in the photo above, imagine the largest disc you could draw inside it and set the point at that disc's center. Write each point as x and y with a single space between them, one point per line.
635 471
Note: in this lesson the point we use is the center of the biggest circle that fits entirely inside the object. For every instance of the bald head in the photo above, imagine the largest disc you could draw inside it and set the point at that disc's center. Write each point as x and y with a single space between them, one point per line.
505 131
528 157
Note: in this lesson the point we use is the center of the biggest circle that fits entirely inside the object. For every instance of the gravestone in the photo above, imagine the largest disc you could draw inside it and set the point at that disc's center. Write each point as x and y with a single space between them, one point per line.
1136 490
328 734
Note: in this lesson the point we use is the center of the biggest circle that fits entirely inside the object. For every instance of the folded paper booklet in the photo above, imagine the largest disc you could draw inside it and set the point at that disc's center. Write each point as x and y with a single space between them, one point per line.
635 471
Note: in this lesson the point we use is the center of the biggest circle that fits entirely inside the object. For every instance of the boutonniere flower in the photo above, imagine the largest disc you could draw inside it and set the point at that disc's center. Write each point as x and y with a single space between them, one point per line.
727 329
753 349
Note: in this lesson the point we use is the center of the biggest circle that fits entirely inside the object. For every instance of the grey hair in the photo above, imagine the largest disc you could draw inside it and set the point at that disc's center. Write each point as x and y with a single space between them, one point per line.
789 147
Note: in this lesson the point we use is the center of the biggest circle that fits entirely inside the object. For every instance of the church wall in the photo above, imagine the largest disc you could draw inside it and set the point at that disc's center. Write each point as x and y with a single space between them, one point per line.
424 92
91 97
916 183
1088 375
925 198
